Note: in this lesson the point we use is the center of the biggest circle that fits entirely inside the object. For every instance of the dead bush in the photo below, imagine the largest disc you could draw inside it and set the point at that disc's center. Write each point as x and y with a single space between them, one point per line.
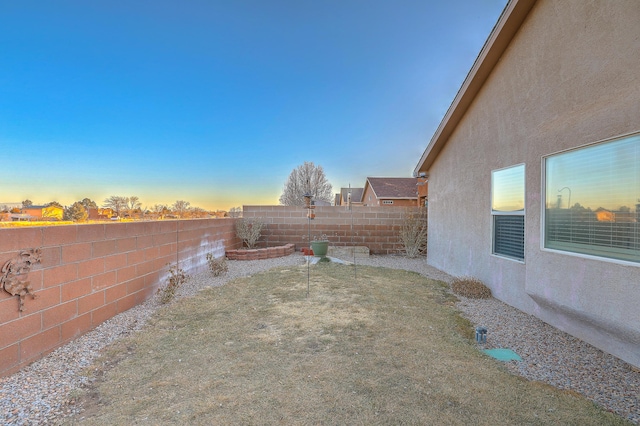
217 266
413 233
177 277
470 287
249 230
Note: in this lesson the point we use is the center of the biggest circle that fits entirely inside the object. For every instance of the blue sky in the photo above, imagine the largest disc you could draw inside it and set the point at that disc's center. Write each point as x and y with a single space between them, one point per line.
215 102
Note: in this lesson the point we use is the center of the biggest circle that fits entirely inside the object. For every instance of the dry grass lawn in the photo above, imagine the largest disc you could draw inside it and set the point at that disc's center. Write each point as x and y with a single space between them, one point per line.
387 348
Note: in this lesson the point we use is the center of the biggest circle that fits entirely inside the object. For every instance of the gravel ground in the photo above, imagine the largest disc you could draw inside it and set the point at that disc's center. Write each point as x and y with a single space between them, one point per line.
40 393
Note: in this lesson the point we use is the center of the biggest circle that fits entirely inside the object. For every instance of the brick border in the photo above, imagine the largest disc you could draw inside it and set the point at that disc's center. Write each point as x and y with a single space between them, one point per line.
263 253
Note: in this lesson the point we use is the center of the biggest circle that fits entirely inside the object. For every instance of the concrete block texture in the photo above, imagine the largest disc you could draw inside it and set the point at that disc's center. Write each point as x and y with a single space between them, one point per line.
377 228
90 272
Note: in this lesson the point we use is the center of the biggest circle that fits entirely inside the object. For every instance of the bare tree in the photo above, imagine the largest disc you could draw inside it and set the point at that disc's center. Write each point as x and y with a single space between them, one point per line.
133 203
159 210
181 207
198 212
27 203
235 212
306 179
116 203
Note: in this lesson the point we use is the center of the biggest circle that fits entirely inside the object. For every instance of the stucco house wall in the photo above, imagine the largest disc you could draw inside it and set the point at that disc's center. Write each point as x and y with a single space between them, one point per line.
44 212
369 197
568 77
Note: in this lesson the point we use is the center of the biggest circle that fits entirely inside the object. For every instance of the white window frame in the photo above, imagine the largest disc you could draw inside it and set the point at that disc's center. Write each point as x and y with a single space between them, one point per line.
387 201
495 213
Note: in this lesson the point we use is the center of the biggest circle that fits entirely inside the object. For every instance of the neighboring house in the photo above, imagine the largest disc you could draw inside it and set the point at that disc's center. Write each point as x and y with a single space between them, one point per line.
533 172
349 194
423 190
390 191
100 213
43 212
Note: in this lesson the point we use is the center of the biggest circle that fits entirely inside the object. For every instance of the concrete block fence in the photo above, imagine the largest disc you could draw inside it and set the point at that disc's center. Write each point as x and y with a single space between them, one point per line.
89 273
377 228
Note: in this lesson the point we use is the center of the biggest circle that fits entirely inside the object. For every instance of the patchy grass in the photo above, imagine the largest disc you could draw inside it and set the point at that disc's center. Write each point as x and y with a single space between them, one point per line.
387 348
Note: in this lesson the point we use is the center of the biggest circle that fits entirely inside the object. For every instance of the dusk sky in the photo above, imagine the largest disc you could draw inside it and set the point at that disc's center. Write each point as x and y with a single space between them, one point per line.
216 102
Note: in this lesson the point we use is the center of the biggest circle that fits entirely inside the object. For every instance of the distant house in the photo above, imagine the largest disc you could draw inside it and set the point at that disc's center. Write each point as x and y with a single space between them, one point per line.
349 194
101 213
43 212
93 213
533 172
390 191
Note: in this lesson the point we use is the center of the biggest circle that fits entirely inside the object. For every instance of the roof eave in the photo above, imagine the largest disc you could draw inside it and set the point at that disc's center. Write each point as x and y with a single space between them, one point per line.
512 17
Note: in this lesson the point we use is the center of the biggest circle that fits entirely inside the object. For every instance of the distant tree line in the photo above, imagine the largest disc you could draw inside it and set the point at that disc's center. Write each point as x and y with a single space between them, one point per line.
121 207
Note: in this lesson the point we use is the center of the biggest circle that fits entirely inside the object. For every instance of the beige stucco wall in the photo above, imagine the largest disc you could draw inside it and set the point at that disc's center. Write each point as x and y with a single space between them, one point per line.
570 77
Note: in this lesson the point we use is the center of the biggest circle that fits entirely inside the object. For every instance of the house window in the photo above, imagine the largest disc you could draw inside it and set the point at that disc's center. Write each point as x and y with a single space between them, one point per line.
592 200
387 201
507 211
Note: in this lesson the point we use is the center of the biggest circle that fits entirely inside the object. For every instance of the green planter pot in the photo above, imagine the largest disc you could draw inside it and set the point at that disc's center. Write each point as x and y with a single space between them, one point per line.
320 248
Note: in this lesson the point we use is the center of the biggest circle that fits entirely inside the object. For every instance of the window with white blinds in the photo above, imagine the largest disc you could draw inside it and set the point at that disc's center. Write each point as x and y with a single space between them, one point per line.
592 200
507 210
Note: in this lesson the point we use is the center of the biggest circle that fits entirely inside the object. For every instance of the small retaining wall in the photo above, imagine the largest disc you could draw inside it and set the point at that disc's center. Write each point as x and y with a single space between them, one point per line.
377 228
89 273
263 253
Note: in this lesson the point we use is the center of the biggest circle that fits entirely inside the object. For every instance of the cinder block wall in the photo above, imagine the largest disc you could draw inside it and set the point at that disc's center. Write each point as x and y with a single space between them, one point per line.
375 227
89 273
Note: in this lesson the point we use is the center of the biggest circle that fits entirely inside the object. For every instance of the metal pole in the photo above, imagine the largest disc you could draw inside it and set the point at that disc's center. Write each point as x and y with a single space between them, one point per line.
355 265
308 255
307 205
177 245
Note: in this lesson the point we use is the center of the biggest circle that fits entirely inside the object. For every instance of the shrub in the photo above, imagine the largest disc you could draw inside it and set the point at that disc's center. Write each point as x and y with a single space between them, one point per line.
177 277
470 287
413 234
217 266
249 230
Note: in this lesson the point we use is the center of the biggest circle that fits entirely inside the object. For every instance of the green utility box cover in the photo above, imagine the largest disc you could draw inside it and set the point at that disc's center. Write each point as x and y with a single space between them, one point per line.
503 354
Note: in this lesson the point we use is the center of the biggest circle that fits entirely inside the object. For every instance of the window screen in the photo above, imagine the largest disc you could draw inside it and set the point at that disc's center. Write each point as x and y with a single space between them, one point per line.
592 200
507 209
